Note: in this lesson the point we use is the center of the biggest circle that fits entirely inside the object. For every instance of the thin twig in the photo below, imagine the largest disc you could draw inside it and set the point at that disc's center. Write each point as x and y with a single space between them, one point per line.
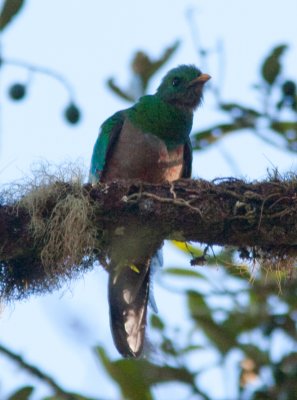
134 198
42 70
37 373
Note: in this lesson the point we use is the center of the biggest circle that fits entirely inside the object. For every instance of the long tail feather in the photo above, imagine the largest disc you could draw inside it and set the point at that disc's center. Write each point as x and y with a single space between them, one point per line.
156 264
128 292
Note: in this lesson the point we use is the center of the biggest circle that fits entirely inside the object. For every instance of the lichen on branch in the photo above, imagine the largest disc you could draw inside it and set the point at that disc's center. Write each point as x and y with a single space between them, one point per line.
57 226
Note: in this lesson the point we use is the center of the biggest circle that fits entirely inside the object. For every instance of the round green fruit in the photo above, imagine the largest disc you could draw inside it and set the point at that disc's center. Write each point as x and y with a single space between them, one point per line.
17 91
72 114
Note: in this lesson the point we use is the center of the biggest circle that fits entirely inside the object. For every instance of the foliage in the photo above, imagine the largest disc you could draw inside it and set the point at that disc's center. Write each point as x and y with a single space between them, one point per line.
277 93
142 68
256 316
9 10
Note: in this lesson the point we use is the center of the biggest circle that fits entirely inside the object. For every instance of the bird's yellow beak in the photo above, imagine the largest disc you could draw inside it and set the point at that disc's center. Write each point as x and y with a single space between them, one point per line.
200 79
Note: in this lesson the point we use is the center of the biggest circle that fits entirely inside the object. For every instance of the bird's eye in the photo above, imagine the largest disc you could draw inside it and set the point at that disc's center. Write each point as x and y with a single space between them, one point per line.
175 81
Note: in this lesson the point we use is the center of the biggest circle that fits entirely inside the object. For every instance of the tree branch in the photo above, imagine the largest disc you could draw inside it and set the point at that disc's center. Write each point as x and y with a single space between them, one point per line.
63 395
78 220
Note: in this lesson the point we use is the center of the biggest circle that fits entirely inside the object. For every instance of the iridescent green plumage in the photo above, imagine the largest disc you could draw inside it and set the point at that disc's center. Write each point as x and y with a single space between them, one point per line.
103 143
171 124
148 141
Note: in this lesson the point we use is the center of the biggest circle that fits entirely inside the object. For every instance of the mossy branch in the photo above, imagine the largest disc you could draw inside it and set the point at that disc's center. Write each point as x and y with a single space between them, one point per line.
56 230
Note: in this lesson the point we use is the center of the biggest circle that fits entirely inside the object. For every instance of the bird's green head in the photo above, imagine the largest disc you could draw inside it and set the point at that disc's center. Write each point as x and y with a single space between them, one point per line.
183 87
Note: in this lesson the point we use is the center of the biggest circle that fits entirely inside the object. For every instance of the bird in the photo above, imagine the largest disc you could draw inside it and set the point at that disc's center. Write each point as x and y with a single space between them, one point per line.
150 141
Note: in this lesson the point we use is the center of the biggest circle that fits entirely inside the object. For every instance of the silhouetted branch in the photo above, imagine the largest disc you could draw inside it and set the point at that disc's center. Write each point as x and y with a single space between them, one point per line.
16 358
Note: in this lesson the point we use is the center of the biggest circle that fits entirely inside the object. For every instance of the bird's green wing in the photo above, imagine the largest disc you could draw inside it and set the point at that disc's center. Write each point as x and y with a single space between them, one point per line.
188 157
107 138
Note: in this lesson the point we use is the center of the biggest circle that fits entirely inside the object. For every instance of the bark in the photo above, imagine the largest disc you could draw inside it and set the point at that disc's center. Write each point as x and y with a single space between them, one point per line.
229 212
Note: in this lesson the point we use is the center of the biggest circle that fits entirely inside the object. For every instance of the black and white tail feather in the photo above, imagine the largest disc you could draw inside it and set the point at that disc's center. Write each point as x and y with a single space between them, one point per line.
129 292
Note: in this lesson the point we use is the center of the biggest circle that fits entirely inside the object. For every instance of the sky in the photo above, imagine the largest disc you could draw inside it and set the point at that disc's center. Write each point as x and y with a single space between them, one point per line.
88 42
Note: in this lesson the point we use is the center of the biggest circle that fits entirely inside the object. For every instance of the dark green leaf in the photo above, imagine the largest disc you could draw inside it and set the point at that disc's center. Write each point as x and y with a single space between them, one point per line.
167 54
118 91
241 321
22 394
289 88
186 273
192 347
202 139
70 396
262 395
136 377
168 347
127 375
156 322
197 305
9 10
286 323
145 68
231 107
288 130
284 128
271 67
223 339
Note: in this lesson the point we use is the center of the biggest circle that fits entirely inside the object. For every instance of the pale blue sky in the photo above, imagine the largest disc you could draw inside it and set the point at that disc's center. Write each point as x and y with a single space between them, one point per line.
89 41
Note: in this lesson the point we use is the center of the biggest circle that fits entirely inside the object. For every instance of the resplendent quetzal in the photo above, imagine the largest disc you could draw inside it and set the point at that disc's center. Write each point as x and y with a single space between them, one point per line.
148 141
